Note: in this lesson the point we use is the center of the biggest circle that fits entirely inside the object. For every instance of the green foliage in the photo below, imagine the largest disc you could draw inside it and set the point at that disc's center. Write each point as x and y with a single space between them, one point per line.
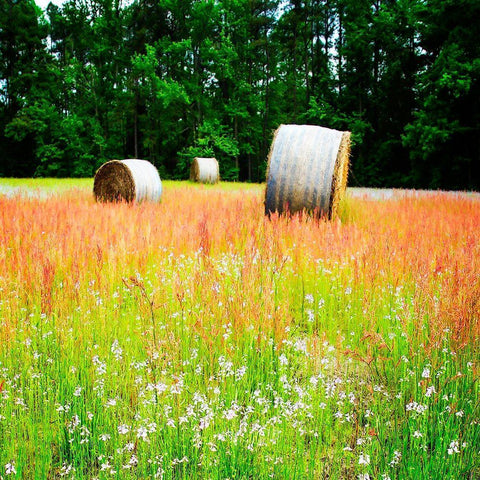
165 80
213 141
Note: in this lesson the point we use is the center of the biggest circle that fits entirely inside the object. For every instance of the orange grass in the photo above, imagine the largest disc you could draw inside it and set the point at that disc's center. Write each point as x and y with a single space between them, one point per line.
52 247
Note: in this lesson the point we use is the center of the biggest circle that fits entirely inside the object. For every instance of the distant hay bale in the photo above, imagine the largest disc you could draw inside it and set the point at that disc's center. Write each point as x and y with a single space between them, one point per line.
307 170
127 180
204 170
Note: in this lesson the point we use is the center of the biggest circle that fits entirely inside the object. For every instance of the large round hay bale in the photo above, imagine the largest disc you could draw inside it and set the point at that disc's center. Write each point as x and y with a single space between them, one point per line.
307 170
204 170
127 180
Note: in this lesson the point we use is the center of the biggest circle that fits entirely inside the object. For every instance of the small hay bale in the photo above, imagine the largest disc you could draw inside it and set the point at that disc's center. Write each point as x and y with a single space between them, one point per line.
307 170
127 180
204 170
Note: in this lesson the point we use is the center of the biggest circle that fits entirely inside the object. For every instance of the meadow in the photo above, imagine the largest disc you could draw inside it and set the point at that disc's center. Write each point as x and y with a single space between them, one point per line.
196 338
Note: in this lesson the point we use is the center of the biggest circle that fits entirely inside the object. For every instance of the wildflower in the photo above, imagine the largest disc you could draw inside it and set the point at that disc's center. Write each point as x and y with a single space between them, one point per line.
430 391
416 407
66 469
111 402
229 414
426 373
460 413
397 456
453 447
116 350
160 387
240 372
123 429
212 447
104 437
84 433
364 459
75 422
309 298
10 469
78 391
105 466
142 433
417 434
283 359
364 476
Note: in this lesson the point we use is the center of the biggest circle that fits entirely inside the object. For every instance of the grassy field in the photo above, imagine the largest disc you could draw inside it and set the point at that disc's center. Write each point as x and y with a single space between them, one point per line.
198 339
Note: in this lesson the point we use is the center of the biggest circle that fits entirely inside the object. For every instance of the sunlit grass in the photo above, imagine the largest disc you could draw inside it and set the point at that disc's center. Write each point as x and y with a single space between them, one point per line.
197 339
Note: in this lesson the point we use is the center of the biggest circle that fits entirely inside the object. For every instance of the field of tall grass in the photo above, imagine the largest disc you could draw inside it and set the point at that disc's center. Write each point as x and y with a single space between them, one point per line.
196 338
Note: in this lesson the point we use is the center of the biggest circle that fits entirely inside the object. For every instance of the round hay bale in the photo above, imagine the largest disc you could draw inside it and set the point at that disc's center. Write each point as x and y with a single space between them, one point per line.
204 170
127 180
307 170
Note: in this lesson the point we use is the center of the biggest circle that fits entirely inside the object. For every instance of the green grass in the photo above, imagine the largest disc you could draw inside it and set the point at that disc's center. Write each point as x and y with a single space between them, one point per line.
128 357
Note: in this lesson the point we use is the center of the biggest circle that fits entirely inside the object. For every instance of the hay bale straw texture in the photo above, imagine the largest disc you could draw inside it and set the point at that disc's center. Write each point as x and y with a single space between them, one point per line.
204 170
307 170
127 180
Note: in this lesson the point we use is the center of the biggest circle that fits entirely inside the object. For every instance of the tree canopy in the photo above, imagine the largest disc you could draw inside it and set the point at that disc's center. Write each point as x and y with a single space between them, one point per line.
168 80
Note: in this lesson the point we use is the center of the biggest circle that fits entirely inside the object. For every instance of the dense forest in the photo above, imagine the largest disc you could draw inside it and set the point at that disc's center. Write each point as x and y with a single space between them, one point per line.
167 80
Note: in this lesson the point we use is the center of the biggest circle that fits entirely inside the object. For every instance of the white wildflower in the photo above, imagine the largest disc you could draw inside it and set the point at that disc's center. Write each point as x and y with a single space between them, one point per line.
364 459
142 433
283 359
111 402
453 447
309 298
123 429
106 466
229 414
416 407
430 391
397 456
66 469
116 350
10 468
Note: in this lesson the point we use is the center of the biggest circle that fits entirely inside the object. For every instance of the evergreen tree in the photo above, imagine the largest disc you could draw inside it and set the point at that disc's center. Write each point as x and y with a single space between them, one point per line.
25 83
168 80
444 138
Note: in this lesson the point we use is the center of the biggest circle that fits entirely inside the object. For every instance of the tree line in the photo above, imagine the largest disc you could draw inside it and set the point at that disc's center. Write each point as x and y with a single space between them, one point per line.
168 80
